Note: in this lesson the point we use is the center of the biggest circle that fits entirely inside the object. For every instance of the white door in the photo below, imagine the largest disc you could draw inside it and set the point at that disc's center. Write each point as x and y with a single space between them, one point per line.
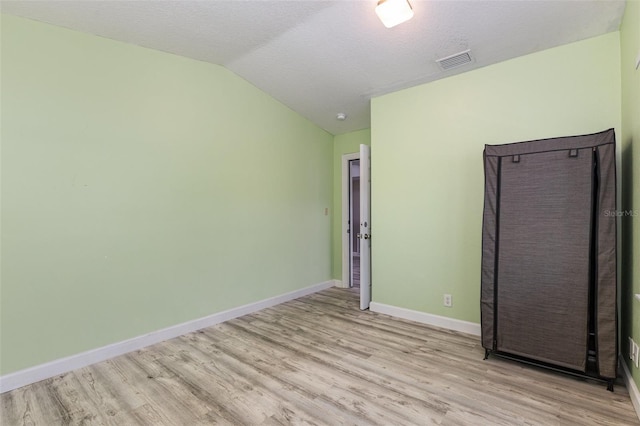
365 226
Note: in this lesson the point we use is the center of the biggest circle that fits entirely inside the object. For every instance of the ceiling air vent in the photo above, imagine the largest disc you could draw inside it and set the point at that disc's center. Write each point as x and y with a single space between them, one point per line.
456 60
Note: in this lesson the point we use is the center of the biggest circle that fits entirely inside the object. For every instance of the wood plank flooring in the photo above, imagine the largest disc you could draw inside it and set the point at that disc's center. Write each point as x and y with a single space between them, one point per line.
317 360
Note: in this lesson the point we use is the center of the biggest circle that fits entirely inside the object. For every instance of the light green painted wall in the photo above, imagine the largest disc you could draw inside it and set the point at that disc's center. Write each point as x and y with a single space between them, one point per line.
342 144
141 190
630 49
427 172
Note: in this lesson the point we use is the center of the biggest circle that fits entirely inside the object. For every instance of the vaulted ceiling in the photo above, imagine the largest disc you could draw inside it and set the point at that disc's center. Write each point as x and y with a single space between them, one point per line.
321 57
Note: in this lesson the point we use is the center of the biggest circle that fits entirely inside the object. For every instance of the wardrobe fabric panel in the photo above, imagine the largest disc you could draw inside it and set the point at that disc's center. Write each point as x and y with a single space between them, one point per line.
488 249
543 259
606 263
549 251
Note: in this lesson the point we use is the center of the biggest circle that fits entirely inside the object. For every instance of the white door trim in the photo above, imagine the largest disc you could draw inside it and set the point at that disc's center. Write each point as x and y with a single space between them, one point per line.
346 184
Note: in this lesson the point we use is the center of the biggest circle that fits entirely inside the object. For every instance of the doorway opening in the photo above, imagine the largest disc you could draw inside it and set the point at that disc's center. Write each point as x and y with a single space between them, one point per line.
354 222
350 220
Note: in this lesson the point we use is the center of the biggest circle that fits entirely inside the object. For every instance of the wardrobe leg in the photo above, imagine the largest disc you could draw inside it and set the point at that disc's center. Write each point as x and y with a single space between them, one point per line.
486 354
610 385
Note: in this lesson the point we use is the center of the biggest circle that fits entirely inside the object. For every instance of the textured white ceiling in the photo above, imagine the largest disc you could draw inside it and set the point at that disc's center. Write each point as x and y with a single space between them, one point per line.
323 57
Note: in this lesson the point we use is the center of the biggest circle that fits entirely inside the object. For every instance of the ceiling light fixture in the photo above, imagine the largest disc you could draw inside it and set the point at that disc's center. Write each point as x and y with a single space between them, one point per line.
394 12
341 116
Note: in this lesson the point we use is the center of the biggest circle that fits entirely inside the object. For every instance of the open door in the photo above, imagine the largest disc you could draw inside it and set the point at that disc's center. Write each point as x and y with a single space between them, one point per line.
365 226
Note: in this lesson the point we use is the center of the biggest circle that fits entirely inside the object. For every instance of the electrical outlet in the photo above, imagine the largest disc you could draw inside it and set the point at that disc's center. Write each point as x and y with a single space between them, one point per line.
634 353
448 301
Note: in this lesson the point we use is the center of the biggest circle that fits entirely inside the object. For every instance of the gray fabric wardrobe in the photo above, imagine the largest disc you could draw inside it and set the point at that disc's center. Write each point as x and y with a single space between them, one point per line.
548 291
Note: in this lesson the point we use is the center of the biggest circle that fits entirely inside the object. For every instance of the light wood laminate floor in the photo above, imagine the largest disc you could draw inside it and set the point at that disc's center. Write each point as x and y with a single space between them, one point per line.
316 360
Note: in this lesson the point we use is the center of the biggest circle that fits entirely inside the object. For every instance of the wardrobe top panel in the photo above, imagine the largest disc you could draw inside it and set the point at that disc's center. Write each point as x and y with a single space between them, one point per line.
551 144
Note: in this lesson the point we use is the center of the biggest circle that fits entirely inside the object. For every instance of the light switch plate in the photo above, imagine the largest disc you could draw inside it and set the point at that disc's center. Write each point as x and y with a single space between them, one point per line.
638 297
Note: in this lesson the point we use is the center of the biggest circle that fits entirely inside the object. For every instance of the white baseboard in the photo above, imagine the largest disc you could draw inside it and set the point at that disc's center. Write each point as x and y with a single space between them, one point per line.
634 393
425 318
338 283
34 374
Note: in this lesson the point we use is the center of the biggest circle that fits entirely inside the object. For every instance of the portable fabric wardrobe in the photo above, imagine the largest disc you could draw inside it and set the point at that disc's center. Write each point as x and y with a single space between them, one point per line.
548 291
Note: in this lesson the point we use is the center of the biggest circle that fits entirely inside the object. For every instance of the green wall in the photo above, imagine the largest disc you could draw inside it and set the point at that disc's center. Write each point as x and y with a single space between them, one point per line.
630 49
342 144
427 173
141 190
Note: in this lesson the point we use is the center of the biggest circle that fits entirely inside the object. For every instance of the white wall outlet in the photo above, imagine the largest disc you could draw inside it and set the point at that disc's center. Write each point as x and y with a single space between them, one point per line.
634 353
448 301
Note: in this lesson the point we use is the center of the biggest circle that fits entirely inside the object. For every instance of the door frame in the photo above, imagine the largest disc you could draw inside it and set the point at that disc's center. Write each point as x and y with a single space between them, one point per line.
346 205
